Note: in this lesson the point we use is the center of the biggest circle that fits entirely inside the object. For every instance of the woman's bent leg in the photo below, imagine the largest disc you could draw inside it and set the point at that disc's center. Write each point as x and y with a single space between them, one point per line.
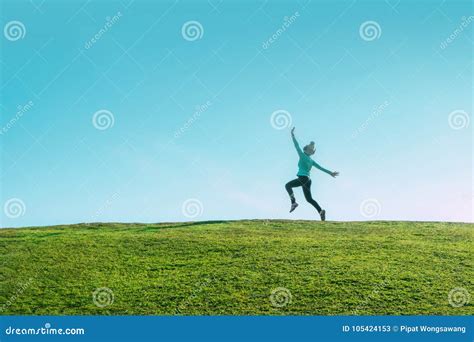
289 188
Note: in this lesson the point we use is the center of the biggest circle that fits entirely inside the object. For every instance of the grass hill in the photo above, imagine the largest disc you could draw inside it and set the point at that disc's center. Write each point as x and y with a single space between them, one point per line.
238 268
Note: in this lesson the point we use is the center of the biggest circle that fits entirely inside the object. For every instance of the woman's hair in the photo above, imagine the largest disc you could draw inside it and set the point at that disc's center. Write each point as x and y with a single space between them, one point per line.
310 147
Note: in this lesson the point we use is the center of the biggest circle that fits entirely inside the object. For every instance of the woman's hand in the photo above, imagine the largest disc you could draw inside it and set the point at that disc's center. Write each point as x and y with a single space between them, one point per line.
293 131
335 174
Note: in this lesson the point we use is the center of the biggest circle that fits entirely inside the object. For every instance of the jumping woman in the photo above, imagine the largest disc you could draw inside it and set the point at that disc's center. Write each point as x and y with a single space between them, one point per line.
304 167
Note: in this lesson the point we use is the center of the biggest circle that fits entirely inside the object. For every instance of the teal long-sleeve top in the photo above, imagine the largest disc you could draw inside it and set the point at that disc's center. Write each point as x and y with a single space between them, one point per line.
305 163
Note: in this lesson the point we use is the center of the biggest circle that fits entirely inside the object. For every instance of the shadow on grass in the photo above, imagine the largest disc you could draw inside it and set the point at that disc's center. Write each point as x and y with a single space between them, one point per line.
185 224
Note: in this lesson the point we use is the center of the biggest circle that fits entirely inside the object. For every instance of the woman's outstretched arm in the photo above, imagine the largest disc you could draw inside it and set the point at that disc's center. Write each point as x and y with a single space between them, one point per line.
297 146
319 167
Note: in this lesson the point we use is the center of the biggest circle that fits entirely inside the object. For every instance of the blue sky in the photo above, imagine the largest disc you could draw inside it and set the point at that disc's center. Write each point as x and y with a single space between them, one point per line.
191 136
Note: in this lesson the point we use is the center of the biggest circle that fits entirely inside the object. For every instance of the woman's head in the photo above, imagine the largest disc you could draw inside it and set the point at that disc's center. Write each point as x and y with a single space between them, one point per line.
309 149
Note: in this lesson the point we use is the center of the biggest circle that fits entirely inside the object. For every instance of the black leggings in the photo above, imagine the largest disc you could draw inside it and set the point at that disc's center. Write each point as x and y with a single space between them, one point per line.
305 182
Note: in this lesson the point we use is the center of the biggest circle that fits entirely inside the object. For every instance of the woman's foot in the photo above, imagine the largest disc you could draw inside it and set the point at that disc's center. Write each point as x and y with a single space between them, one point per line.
323 215
293 206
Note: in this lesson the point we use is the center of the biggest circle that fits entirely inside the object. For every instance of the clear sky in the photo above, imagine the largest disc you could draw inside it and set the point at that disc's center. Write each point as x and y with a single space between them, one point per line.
183 94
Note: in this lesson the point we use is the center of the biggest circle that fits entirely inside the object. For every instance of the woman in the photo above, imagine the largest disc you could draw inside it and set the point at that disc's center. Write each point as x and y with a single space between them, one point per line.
304 167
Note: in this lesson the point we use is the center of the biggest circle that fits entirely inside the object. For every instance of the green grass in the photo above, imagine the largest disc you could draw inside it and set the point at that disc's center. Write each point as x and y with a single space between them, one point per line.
217 268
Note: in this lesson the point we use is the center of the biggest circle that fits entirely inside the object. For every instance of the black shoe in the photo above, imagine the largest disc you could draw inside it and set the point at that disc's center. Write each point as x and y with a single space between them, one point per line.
293 206
323 215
